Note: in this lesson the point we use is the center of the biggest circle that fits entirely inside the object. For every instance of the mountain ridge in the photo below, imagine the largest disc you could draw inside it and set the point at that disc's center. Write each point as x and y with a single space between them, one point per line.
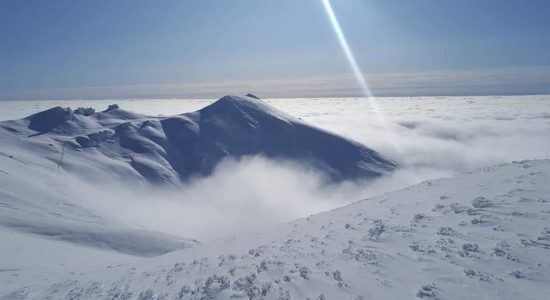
181 147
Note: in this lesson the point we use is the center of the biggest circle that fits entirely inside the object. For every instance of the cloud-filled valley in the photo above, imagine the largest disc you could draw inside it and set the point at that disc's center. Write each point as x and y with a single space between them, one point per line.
428 137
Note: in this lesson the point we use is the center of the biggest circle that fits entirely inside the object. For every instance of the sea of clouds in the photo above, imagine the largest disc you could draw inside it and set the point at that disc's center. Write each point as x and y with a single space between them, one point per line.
429 137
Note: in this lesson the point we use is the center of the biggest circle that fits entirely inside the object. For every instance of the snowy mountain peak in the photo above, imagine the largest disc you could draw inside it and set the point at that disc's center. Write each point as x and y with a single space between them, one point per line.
252 106
127 145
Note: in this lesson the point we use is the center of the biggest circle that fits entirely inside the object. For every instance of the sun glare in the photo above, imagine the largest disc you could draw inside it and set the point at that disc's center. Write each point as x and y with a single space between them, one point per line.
353 64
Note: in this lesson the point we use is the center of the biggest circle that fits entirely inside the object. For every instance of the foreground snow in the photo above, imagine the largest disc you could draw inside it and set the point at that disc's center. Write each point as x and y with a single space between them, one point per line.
484 235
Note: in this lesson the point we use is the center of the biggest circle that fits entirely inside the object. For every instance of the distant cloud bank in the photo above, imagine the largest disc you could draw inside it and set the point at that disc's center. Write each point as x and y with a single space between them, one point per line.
498 81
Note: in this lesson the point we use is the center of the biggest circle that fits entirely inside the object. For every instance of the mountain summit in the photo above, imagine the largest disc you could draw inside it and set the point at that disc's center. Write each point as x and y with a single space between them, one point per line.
180 147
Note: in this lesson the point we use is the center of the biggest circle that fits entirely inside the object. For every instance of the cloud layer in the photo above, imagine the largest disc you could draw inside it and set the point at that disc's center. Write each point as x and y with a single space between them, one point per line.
429 137
495 81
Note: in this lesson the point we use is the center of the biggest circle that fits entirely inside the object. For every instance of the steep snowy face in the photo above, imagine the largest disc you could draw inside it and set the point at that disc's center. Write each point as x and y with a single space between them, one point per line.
177 148
236 127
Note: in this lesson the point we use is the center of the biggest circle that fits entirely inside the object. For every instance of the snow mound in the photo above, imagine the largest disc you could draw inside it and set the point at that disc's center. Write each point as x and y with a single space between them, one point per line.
172 149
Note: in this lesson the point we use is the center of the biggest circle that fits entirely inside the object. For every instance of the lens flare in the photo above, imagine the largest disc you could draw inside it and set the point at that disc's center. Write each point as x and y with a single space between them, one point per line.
354 65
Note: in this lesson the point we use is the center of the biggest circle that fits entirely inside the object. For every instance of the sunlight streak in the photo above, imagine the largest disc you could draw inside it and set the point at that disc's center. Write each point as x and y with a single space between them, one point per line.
354 65
347 50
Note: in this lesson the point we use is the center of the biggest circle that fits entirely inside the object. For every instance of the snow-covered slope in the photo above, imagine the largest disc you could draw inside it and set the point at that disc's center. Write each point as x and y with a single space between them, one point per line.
39 198
484 235
124 145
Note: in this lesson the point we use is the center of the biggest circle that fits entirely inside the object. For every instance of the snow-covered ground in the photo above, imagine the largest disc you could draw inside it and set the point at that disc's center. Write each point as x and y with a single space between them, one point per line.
483 235
473 235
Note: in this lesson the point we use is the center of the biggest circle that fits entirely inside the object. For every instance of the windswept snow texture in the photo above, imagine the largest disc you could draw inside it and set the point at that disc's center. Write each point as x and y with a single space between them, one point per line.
483 235
181 147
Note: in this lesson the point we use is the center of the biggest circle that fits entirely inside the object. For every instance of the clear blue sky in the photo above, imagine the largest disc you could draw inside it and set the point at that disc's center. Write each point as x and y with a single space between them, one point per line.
283 48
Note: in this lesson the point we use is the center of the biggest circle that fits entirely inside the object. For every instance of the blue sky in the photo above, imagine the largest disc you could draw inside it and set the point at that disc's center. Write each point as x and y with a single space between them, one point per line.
279 48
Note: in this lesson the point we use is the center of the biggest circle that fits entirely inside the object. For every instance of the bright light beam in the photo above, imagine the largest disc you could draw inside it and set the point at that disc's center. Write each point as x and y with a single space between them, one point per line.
354 66
347 50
